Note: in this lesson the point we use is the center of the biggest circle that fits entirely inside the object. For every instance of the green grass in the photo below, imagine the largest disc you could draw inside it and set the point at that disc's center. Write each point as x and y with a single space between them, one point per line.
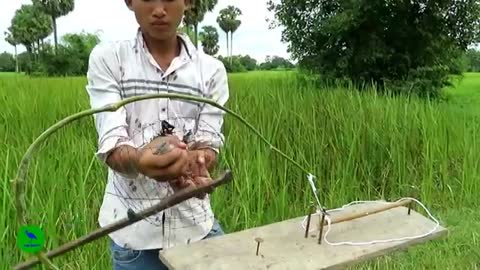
466 93
360 147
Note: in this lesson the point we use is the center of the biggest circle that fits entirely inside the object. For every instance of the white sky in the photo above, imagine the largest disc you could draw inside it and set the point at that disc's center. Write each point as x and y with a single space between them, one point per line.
115 21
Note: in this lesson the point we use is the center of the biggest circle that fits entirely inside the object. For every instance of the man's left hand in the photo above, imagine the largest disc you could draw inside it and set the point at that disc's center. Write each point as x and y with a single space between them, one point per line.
199 163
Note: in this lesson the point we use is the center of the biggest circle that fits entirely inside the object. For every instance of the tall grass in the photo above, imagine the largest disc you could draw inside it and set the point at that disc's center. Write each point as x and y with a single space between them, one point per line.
359 146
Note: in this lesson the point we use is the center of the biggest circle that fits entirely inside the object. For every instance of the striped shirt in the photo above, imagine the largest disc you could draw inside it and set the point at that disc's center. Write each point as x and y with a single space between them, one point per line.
124 69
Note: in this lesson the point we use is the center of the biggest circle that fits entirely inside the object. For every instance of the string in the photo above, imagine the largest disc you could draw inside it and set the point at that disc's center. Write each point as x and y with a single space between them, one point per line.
321 210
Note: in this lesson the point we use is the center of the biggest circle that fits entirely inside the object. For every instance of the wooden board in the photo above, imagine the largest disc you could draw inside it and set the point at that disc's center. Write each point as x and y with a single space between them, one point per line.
285 247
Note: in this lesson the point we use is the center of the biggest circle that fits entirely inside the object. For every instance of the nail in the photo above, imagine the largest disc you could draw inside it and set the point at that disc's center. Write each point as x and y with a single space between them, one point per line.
413 195
308 220
321 229
258 240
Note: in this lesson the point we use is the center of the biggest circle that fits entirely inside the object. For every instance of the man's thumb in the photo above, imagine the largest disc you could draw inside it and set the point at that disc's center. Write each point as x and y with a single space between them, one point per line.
201 158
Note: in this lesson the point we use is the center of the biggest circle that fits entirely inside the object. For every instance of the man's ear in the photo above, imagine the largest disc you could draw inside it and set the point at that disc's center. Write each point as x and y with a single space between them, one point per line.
189 3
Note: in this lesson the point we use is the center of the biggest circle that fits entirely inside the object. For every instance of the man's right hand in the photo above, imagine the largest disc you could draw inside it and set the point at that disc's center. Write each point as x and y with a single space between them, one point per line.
163 159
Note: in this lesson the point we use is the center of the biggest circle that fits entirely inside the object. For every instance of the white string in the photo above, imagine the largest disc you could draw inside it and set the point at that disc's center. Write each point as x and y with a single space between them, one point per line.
310 178
329 221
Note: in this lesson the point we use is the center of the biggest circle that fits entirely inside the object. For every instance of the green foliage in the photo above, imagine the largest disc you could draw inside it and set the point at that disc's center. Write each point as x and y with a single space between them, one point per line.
196 13
55 9
228 21
30 25
472 58
276 62
71 57
7 62
380 41
232 64
209 37
243 63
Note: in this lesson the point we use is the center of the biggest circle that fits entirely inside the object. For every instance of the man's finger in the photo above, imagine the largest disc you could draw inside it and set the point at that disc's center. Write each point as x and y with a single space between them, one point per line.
166 160
177 164
201 158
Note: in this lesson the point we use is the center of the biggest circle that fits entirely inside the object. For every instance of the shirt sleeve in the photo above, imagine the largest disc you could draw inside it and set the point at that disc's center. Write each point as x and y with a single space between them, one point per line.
103 89
211 118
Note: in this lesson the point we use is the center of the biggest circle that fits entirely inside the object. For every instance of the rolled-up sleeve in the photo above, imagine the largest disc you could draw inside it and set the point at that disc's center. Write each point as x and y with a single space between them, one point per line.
103 89
211 118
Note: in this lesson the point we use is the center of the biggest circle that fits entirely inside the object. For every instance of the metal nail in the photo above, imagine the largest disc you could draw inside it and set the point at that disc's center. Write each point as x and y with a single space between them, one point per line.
321 228
310 210
258 240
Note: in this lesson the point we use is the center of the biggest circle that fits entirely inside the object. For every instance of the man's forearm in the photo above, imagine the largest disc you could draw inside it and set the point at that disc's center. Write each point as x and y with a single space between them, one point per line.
123 159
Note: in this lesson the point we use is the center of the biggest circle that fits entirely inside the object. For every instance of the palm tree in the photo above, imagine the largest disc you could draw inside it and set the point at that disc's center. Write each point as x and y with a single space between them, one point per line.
209 37
233 24
196 13
55 9
228 22
14 42
222 21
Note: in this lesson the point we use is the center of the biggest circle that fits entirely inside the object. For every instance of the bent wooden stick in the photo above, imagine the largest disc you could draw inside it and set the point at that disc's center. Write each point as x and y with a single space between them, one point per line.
168 202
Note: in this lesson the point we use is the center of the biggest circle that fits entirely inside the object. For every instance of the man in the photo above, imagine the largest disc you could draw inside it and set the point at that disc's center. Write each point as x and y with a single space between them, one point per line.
157 60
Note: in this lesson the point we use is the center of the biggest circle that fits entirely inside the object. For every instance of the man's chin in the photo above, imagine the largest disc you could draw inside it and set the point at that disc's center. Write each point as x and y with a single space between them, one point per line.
161 36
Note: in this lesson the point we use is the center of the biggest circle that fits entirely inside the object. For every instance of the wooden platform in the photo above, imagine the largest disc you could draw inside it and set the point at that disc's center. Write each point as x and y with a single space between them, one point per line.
285 247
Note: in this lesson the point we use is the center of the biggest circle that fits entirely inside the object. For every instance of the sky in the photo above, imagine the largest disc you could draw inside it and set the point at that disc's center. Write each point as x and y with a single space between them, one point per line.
116 22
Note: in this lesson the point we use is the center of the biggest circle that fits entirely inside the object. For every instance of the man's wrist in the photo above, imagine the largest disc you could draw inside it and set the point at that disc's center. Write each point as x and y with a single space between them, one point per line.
125 159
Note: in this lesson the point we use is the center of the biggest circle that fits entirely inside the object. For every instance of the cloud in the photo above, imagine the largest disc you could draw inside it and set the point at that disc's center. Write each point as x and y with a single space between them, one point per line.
116 22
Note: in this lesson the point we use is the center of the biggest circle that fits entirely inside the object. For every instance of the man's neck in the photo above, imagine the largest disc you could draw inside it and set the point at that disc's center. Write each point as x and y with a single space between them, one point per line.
163 51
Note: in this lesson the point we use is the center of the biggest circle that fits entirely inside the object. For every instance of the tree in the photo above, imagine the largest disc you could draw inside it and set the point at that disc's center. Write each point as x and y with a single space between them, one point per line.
12 40
228 22
29 26
405 44
473 60
7 63
234 23
223 23
56 9
209 37
196 13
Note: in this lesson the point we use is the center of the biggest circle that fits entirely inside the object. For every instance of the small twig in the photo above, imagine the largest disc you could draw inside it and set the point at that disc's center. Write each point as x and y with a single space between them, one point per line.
168 202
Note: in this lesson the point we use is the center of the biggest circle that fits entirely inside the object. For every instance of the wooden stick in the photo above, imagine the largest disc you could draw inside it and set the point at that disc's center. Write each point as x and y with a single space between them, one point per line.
364 214
168 202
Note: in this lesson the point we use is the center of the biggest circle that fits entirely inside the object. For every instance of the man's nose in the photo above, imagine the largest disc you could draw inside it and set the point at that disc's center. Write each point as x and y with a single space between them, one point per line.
159 9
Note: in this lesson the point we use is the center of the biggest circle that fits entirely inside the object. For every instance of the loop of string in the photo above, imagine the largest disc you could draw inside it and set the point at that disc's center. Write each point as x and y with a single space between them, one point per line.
329 220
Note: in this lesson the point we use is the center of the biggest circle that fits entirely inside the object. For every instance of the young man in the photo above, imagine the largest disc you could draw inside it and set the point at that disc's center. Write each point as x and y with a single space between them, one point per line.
157 60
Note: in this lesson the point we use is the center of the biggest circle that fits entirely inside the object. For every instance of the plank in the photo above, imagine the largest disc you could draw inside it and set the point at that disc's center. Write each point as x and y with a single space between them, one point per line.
285 247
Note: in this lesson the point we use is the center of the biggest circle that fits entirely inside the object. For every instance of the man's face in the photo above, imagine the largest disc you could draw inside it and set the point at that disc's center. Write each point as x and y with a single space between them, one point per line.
158 19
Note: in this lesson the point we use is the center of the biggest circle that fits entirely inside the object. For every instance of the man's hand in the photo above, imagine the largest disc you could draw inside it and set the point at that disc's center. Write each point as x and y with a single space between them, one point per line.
199 162
163 159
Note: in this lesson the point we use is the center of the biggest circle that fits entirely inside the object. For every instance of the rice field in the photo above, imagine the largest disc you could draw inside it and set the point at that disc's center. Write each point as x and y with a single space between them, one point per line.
360 147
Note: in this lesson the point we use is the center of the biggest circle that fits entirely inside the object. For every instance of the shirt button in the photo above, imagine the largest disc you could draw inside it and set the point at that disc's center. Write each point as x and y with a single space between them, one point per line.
163 109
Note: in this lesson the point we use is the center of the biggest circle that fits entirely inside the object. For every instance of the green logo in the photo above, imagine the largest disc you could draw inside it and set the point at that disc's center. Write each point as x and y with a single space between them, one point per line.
30 239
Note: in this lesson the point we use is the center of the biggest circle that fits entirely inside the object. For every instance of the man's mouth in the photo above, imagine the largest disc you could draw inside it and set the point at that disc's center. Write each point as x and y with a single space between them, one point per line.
159 24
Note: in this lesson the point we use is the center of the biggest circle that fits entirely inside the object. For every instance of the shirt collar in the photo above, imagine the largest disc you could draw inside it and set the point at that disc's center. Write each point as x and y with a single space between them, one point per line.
187 50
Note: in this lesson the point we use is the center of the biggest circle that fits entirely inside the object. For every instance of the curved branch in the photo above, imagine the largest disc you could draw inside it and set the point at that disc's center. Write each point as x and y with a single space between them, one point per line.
20 178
